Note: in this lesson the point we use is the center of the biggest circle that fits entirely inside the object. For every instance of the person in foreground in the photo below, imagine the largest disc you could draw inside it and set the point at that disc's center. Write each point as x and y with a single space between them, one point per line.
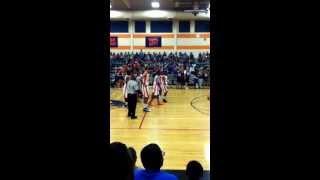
194 170
133 155
122 166
152 160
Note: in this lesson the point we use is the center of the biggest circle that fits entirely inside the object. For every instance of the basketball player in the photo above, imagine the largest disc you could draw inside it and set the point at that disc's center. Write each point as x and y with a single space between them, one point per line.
164 86
139 81
124 89
145 89
156 88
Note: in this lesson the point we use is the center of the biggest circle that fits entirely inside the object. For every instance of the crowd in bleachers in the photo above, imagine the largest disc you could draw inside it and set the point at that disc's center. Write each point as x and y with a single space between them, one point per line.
123 160
174 65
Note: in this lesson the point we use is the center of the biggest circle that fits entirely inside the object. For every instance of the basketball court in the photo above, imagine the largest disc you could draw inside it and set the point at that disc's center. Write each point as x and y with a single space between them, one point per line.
170 36
180 127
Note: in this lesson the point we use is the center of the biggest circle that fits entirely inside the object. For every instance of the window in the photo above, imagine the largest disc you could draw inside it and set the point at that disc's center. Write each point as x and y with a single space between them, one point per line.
119 26
161 26
140 26
184 26
202 26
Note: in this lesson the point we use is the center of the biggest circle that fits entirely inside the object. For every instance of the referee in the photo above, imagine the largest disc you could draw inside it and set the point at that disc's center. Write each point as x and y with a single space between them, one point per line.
132 90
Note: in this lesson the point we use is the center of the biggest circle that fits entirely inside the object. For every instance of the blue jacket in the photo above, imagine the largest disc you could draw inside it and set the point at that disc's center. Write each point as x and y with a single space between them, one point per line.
142 174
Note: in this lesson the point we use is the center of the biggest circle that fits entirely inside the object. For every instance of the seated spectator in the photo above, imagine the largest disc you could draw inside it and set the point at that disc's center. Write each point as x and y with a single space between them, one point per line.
121 163
194 170
152 160
205 76
133 155
201 77
179 79
191 56
195 80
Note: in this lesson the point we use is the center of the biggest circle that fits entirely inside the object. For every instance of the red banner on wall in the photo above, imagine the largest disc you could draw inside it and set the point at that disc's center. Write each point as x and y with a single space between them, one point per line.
153 41
113 41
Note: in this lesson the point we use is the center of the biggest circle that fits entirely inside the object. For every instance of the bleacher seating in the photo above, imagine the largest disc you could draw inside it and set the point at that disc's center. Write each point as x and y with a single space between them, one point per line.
167 62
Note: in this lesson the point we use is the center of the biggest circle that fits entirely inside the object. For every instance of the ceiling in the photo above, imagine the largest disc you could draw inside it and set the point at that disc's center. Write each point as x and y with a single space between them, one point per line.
176 5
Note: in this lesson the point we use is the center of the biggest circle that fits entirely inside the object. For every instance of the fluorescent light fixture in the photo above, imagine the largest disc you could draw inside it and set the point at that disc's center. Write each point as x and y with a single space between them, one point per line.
204 15
155 13
155 4
115 14
110 6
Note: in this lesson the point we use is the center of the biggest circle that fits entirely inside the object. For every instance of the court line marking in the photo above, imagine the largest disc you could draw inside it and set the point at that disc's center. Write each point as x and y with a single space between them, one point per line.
144 115
191 103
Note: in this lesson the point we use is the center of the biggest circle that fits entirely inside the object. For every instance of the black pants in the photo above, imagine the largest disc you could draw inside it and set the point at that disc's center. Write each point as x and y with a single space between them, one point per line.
132 104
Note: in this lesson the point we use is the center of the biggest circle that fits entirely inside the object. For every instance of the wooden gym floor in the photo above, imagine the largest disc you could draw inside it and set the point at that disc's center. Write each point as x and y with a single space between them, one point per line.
180 127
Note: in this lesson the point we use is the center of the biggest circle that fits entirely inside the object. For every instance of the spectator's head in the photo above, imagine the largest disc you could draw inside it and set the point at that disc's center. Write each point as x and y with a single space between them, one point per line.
151 157
133 155
121 161
194 170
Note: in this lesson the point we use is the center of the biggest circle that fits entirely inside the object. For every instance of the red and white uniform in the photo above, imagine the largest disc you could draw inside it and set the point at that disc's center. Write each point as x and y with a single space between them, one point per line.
145 84
156 85
164 83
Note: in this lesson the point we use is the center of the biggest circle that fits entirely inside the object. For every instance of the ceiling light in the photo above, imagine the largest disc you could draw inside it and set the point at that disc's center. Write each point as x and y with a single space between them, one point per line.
155 14
155 4
115 14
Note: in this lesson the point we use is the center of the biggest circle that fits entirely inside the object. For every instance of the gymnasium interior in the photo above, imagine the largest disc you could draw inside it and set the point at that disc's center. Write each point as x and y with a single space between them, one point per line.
173 35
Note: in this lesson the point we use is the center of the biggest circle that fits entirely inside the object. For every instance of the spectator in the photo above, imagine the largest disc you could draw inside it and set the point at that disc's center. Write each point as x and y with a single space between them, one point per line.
191 56
194 79
179 79
119 79
133 155
121 168
201 77
194 170
152 160
206 76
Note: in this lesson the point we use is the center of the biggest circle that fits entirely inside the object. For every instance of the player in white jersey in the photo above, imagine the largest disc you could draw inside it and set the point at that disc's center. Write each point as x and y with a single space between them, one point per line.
139 80
164 86
124 89
156 88
145 90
